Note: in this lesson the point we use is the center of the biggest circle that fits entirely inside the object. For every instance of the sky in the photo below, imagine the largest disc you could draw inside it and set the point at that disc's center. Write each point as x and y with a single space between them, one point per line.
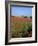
21 11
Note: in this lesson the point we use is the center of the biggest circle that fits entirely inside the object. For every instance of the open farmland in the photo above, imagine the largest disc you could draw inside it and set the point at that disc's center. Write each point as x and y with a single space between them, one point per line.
21 27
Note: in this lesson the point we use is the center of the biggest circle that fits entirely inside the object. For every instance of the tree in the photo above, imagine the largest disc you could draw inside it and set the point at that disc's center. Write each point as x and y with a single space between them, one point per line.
25 16
31 17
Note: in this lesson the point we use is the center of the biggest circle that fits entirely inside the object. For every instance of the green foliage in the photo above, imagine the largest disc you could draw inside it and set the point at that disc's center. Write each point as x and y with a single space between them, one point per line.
30 26
31 17
20 29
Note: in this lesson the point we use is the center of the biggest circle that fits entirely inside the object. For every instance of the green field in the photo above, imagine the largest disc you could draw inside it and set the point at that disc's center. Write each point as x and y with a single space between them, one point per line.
21 29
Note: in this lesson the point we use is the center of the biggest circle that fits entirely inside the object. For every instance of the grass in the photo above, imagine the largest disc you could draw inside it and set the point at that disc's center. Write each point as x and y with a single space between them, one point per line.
21 29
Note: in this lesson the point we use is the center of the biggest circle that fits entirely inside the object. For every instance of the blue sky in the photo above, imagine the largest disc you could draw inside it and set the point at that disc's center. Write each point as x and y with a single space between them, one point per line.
21 11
